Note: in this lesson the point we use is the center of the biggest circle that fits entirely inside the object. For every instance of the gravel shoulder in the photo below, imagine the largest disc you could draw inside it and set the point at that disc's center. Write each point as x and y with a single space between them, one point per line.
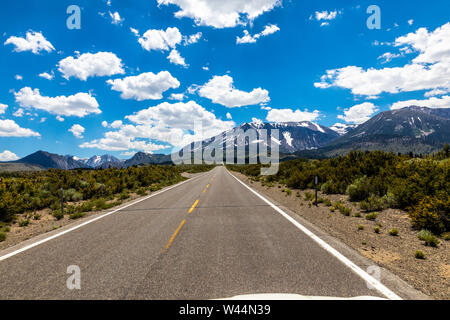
395 253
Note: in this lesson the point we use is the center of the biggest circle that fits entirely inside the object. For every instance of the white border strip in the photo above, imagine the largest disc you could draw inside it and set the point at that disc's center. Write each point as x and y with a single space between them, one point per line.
360 272
32 245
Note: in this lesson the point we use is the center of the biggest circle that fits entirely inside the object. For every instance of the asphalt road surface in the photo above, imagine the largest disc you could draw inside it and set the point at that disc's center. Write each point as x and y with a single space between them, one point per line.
208 238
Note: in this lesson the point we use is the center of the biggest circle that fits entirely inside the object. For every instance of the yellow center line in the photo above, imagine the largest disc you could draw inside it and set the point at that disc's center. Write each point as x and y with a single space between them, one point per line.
174 235
193 206
207 186
204 190
180 226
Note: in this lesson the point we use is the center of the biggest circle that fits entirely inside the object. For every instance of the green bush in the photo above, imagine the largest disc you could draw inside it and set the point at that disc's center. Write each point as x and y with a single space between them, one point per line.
2 236
419 254
330 187
393 232
58 215
373 203
77 215
142 192
432 213
376 229
359 190
309 196
342 208
372 216
428 237
24 223
360 227
287 191
124 196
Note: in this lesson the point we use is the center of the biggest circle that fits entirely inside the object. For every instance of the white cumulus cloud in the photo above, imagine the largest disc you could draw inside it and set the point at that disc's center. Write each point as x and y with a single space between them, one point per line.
175 58
3 108
429 70
160 39
8 156
77 131
46 75
146 86
220 90
9 128
248 38
443 102
160 126
115 18
359 113
89 65
220 13
289 115
78 105
33 41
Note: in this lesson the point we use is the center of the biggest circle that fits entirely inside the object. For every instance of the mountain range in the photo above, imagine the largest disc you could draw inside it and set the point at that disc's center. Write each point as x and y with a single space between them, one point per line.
412 129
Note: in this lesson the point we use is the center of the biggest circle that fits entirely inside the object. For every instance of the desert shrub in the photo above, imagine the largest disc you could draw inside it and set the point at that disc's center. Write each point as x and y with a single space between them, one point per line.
359 190
85 207
393 232
287 191
330 187
419 254
309 196
360 227
141 192
376 229
389 201
432 213
327 202
124 196
428 237
77 215
373 203
343 209
446 236
357 215
24 223
332 209
72 195
372 216
2 236
58 214
100 204
36 216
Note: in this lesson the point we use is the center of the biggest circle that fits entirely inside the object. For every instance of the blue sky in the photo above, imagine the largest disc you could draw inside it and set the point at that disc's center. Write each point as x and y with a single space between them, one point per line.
107 88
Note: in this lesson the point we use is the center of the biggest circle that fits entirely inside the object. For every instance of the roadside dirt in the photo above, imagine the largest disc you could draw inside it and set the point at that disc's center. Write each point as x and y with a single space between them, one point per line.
396 253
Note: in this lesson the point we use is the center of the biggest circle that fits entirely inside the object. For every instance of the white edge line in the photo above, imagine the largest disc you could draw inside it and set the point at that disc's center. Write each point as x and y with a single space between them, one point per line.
360 272
32 245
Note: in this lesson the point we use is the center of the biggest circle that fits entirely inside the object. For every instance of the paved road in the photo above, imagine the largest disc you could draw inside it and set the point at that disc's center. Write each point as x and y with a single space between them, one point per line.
207 238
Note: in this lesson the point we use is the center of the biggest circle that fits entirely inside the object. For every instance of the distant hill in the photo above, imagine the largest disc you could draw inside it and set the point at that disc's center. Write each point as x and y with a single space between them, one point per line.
14 167
147 158
412 129
48 160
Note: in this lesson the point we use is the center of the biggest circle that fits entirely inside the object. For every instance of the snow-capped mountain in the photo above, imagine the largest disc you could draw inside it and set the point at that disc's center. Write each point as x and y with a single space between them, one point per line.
293 136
